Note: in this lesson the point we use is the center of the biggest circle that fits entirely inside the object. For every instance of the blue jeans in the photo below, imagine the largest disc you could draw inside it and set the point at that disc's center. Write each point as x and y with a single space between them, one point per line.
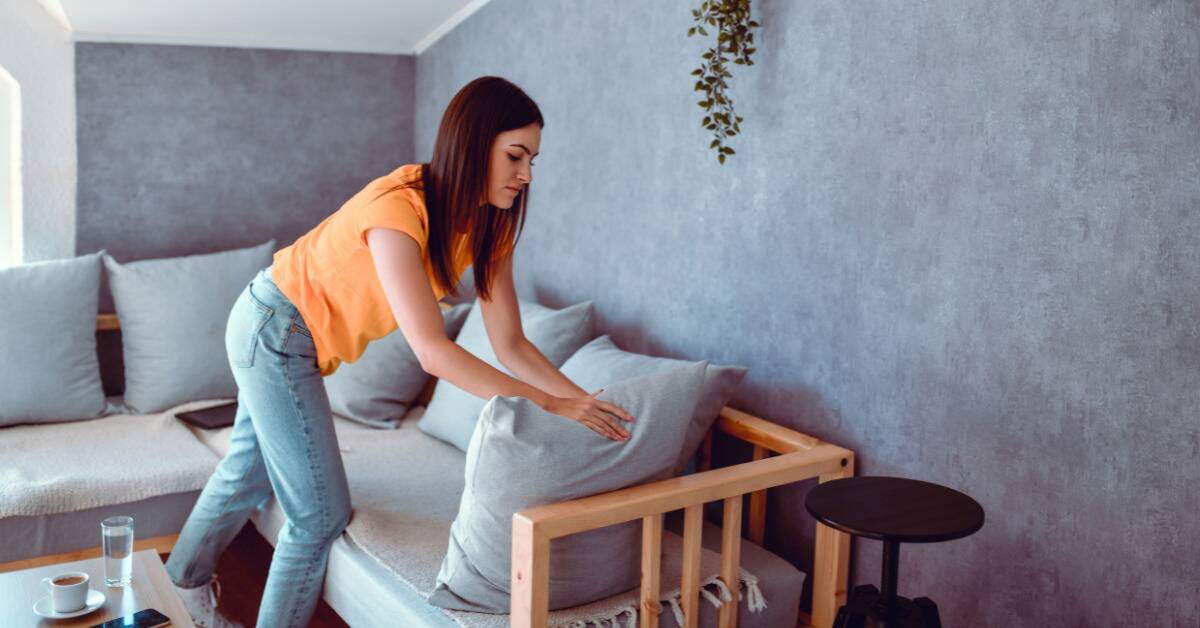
283 442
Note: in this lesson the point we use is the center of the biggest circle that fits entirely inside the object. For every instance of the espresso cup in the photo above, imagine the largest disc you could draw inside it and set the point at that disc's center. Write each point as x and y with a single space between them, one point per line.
68 591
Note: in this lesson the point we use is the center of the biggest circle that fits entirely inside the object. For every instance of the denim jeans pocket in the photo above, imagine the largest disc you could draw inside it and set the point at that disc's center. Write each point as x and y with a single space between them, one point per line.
246 322
300 327
299 341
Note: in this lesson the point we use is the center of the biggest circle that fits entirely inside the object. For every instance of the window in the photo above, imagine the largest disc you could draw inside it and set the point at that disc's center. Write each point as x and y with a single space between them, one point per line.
10 170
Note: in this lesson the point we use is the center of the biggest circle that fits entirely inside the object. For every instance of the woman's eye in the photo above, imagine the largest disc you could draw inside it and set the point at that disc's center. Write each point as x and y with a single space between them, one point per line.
511 158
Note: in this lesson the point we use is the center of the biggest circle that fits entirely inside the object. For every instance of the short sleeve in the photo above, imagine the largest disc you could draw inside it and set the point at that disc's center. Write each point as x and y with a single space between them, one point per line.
393 211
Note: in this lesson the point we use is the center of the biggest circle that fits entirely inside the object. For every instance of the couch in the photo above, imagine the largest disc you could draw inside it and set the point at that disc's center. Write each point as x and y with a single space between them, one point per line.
153 466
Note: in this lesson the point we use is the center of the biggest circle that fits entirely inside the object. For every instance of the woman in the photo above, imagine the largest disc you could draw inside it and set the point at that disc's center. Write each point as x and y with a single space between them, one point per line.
380 262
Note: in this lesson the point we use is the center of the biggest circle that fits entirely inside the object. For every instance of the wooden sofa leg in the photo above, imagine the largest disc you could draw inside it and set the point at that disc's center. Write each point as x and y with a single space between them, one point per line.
831 563
758 504
530 575
693 528
651 608
731 558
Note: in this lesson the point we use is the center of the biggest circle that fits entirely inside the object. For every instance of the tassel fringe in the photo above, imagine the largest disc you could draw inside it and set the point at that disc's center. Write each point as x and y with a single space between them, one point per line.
674 602
755 603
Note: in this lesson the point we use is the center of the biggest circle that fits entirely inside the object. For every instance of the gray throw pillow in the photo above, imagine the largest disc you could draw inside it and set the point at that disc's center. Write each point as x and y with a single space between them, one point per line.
522 456
173 313
377 389
452 411
49 370
601 362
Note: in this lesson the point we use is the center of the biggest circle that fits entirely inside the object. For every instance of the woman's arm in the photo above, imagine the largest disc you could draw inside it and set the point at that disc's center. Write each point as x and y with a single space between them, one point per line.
527 362
401 271
502 319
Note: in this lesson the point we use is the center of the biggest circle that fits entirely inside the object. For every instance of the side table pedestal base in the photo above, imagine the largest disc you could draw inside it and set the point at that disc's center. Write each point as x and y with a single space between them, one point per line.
866 608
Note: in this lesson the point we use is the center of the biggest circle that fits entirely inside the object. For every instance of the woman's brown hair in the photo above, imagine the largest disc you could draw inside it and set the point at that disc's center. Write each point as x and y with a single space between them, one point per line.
455 179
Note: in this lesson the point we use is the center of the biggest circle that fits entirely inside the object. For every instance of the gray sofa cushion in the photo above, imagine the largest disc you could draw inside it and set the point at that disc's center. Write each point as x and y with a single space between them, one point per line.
48 334
600 362
452 411
173 313
377 389
522 456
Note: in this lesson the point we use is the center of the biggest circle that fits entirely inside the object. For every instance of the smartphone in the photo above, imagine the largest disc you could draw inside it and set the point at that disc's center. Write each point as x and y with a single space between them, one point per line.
212 418
148 618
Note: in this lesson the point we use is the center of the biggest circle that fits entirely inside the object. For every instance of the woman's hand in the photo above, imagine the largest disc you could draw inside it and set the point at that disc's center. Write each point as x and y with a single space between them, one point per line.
593 413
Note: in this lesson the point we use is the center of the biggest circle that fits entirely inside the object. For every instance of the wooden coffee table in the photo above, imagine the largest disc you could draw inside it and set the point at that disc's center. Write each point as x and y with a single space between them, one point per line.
151 588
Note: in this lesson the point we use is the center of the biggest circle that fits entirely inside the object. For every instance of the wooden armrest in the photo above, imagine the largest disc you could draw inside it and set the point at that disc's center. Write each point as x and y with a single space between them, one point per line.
110 322
597 511
801 457
763 433
107 322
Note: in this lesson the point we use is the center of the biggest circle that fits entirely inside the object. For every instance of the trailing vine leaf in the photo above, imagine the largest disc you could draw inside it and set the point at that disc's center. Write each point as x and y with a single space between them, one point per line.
735 39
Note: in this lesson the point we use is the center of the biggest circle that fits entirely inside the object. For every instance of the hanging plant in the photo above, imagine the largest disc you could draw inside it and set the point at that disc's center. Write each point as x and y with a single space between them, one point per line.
733 24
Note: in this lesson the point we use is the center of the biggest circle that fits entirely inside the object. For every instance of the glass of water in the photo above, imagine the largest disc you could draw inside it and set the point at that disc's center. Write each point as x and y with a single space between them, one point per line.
117 533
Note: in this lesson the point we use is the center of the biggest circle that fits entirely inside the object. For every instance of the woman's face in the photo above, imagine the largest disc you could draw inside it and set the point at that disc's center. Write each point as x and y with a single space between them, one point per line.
510 166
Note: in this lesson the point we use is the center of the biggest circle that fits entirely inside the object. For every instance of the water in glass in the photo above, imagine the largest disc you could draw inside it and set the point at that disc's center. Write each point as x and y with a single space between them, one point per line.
117 533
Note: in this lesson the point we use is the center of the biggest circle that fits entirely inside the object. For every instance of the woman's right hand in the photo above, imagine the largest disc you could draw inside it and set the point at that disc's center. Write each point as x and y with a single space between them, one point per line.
593 413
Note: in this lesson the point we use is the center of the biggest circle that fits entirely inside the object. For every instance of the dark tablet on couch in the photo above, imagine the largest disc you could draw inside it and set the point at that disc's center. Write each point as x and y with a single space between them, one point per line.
210 418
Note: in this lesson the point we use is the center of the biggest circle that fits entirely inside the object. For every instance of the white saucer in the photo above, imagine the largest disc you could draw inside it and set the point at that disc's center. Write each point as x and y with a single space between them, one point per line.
45 607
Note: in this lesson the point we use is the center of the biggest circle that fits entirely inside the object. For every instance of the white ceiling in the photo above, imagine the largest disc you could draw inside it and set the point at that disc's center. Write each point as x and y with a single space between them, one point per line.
377 26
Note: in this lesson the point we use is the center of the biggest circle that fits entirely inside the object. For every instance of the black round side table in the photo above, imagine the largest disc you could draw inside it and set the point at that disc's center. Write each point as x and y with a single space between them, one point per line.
895 511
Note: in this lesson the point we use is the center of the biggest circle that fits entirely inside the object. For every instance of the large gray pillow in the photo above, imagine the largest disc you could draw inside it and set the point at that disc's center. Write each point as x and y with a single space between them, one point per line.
173 313
522 456
377 389
49 370
452 411
600 362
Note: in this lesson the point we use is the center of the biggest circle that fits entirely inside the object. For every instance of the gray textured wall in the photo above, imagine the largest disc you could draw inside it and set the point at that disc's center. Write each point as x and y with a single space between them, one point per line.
959 238
187 149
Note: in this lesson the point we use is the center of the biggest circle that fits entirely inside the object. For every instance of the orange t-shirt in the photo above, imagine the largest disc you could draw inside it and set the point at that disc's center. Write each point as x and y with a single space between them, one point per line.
329 275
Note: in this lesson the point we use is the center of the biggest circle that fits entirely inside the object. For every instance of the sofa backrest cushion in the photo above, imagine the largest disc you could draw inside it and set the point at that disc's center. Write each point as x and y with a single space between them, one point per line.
49 370
173 313
600 362
452 411
521 456
378 388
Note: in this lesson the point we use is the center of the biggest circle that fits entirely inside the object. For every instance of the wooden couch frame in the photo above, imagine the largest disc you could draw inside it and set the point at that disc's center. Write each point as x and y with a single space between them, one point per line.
800 457
781 456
